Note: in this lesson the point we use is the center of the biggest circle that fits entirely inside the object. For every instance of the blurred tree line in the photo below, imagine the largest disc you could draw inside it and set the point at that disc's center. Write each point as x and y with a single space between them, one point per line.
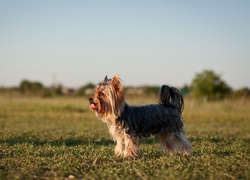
209 85
206 85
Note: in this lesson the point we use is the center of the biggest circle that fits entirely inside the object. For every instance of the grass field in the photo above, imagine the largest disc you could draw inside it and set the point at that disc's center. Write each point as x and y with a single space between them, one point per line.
61 138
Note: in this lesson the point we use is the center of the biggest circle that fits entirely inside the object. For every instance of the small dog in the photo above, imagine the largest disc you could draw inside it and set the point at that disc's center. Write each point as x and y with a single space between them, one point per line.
127 124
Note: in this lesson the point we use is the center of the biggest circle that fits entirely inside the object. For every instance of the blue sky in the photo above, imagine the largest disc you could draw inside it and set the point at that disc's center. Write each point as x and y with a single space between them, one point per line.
145 42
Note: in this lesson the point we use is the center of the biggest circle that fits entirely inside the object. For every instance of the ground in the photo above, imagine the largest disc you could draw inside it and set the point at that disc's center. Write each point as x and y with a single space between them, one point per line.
62 138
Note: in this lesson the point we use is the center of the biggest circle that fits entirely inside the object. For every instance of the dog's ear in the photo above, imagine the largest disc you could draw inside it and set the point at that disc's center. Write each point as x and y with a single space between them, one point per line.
105 79
118 99
116 83
116 78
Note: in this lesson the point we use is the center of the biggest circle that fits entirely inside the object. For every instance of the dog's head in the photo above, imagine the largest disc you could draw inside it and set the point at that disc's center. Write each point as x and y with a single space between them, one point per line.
108 99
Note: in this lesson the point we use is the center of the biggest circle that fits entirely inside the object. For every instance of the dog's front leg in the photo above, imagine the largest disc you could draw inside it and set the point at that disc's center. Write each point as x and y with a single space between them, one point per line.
131 146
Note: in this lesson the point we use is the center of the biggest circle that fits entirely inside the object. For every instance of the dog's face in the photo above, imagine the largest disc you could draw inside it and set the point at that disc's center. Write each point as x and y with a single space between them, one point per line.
108 98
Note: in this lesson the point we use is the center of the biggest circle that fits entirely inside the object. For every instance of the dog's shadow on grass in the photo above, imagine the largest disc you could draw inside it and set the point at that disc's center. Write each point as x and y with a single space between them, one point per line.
89 141
58 143
73 142
65 142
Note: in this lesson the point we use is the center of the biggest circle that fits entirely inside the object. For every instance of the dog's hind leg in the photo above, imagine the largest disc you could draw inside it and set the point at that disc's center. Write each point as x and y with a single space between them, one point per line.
165 141
182 144
173 142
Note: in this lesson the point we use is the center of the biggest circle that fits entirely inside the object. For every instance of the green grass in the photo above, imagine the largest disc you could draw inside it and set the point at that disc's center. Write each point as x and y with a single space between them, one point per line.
56 138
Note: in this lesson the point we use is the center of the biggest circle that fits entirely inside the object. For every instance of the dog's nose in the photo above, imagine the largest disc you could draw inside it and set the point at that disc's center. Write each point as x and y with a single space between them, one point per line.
91 100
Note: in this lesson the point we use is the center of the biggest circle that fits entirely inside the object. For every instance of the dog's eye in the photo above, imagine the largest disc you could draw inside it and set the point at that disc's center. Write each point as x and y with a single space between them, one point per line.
101 94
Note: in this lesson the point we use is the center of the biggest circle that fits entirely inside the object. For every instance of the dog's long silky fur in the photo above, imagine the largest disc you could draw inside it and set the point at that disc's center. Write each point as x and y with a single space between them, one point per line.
164 116
129 123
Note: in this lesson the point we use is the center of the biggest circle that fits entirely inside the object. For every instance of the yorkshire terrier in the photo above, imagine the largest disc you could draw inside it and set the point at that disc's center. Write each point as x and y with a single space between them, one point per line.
127 124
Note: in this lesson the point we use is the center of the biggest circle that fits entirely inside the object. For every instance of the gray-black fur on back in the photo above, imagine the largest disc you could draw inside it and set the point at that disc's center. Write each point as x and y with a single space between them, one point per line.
144 121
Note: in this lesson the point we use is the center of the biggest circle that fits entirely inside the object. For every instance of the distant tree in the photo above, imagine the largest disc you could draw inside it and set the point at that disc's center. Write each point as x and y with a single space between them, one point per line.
36 87
185 90
28 87
25 86
209 85
82 90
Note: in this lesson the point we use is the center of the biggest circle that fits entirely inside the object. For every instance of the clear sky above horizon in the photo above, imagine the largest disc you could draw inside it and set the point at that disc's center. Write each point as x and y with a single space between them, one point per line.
145 42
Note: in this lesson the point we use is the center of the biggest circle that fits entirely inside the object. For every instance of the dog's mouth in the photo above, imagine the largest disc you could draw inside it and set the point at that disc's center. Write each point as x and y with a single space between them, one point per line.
93 107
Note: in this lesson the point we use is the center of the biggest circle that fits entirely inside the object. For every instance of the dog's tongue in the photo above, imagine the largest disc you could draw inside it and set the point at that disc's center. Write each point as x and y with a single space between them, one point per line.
93 107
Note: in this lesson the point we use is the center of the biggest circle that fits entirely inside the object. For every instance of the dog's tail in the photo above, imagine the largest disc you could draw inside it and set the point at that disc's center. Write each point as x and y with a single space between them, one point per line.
171 97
